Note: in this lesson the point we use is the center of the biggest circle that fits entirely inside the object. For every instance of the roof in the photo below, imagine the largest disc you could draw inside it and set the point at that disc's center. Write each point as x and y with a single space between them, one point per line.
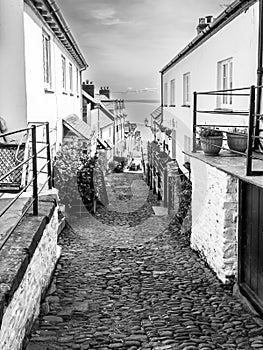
157 115
231 12
99 105
78 126
52 15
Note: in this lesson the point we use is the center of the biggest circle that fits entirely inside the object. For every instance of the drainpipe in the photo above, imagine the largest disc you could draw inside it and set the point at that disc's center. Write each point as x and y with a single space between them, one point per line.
162 95
259 72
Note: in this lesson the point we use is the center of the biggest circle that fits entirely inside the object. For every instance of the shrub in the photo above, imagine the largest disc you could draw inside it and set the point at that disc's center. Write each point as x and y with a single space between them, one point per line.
73 174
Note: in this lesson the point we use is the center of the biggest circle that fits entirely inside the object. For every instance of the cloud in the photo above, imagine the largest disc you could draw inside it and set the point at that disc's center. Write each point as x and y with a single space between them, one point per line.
107 16
137 91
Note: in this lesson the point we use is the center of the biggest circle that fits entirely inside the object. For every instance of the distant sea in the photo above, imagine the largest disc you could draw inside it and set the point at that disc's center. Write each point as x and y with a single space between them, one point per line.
139 110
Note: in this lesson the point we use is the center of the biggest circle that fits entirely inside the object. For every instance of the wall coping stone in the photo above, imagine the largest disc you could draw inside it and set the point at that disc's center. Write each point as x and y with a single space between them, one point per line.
231 164
18 251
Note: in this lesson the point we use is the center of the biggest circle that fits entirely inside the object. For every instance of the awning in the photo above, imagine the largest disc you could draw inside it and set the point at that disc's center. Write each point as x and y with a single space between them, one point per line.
77 126
157 115
108 144
101 144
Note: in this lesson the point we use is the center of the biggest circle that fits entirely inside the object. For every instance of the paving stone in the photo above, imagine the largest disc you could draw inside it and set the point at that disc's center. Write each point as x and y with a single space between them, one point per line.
128 280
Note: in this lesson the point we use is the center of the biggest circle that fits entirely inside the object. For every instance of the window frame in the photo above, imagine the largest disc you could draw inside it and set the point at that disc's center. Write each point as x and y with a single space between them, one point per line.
70 72
46 48
165 94
77 81
172 93
64 73
225 82
186 90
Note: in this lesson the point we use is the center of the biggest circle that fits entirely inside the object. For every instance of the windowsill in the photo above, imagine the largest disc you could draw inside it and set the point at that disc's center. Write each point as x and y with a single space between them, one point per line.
187 106
64 93
172 106
49 91
223 109
71 94
165 105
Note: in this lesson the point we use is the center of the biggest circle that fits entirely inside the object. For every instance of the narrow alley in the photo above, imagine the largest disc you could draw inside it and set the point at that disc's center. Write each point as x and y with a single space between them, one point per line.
128 280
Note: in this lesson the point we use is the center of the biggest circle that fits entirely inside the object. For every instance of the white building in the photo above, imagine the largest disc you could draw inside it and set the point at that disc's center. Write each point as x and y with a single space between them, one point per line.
227 201
40 66
222 56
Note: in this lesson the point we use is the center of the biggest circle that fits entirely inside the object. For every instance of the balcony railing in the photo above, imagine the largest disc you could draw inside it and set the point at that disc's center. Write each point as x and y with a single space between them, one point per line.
252 124
27 169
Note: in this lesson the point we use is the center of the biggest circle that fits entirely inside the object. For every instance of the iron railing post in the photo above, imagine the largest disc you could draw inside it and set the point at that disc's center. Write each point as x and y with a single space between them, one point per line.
194 120
250 130
49 168
34 169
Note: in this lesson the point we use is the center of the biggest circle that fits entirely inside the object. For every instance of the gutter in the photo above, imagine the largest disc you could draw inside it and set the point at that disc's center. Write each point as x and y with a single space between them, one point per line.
57 13
232 11
259 73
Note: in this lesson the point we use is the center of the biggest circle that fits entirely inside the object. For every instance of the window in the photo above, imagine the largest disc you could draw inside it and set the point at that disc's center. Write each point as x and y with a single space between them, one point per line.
77 81
186 89
64 73
70 78
165 94
172 92
46 61
225 82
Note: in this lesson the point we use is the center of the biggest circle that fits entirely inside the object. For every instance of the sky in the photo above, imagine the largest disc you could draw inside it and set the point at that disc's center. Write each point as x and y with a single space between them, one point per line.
127 42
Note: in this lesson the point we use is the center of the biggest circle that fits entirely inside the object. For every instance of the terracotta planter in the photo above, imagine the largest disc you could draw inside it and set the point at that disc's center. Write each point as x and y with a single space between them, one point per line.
211 145
237 142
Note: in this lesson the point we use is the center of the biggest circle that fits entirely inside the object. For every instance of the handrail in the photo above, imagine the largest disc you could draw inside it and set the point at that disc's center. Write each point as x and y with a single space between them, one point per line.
33 160
253 116
20 130
219 91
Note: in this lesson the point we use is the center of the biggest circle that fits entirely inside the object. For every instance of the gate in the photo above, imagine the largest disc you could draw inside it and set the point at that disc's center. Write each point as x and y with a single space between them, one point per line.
251 243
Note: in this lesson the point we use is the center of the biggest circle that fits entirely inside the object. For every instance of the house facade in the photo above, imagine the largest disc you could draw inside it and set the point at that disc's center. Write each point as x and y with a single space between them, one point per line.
217 59
41 66
221 64
117 108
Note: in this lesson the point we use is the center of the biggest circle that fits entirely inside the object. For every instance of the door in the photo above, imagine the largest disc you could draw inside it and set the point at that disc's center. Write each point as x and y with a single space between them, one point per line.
251 243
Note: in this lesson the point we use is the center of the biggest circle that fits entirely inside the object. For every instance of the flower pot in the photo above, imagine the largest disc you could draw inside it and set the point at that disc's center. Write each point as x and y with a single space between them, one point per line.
237 142
211 145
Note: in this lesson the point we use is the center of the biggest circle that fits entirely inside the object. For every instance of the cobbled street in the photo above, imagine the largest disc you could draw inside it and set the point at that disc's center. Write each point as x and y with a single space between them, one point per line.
128 280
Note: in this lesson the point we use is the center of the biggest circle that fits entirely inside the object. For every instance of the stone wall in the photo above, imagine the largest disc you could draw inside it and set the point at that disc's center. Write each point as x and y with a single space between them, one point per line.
214 218
26 265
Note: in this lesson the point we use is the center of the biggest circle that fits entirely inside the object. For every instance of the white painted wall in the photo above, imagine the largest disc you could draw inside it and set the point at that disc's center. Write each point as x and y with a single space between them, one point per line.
55 104
214 218
238 39
12 64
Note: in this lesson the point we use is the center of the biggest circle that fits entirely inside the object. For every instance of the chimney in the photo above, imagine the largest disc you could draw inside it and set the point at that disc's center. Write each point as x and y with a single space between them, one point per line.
105 91
203 23
88 87
209 19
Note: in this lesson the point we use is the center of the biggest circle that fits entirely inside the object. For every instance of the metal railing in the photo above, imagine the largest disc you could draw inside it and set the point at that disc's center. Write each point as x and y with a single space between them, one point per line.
29 167
253 120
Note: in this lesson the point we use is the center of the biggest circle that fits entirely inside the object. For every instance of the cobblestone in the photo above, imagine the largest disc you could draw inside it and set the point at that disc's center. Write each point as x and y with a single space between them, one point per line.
121 285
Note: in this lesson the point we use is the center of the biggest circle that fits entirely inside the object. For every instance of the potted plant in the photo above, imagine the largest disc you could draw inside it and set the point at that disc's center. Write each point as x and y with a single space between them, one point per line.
237 139
211 141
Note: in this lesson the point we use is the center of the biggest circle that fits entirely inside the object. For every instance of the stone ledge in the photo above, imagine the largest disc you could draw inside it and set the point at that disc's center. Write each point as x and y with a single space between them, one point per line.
231 164
19 250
